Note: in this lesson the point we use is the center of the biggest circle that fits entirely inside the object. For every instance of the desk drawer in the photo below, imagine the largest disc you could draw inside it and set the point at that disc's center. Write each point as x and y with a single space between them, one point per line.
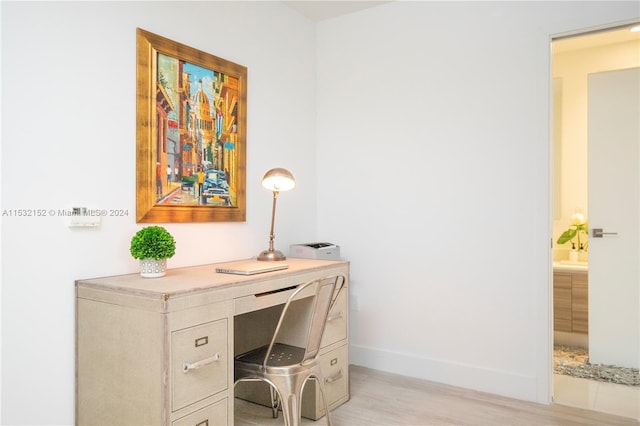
335 369
211 415
256 302
336 327
198 362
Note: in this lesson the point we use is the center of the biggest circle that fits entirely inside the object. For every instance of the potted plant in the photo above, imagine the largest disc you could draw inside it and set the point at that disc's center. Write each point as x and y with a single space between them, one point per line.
153 245
578 225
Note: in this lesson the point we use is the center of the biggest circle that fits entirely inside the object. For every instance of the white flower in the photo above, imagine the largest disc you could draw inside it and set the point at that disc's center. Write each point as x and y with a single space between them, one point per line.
577 219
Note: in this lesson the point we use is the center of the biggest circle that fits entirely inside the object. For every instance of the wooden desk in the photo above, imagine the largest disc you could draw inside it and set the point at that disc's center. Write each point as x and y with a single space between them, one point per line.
136 337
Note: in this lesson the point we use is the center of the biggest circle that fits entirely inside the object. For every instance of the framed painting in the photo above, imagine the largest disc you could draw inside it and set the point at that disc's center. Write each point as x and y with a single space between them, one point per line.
190 134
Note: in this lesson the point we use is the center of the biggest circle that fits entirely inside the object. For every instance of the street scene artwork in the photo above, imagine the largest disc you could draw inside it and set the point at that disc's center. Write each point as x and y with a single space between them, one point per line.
197 136
191 119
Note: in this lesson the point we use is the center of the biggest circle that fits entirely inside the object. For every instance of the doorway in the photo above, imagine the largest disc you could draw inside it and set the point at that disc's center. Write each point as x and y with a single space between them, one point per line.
576 59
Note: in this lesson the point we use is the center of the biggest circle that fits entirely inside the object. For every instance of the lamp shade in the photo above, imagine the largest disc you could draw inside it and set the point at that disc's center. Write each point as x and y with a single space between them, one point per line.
278 179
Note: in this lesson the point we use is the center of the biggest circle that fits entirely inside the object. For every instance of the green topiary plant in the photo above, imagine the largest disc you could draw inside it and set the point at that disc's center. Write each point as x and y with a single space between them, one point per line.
152 242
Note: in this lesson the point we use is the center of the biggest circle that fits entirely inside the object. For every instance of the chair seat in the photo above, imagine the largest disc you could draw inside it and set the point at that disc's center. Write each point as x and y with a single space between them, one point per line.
282 357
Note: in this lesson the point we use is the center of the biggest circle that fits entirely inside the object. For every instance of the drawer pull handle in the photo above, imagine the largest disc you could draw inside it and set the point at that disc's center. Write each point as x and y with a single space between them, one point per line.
278 290
335 316
333 378
203 423
186 366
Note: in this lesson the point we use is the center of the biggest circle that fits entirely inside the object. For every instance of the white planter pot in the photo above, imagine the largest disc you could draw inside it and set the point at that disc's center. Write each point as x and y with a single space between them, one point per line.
151 268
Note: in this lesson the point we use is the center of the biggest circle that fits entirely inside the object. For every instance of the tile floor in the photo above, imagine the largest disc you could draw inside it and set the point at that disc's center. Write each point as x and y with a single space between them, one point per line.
604 397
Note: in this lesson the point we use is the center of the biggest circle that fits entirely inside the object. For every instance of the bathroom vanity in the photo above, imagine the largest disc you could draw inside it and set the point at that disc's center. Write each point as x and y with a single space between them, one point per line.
570 298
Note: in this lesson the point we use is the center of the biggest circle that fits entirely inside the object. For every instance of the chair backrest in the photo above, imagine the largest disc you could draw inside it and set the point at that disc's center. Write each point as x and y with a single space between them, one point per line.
327 290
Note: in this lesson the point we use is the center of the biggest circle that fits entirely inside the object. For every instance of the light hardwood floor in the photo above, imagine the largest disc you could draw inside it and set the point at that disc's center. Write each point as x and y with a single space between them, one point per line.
384 399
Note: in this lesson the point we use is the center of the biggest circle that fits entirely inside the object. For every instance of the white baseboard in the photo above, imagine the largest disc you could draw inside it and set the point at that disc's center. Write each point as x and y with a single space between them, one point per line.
499 382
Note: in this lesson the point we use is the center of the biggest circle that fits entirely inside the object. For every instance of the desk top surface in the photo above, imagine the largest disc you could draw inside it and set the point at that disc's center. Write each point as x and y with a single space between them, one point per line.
202 277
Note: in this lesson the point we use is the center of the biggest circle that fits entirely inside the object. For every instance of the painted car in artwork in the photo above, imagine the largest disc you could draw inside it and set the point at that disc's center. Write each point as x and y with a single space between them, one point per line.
215 187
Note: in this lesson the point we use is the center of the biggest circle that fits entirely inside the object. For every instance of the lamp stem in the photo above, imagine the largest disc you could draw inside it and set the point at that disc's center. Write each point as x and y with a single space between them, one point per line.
272 254
273 219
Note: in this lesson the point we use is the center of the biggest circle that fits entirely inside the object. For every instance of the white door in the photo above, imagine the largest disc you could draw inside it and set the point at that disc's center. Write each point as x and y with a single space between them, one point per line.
614 206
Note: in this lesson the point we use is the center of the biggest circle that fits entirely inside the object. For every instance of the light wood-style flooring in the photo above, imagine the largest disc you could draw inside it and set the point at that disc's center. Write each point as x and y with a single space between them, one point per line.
384 399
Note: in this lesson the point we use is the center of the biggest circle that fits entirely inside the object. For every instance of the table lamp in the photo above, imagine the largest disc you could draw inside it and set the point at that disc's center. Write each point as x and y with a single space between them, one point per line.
275 180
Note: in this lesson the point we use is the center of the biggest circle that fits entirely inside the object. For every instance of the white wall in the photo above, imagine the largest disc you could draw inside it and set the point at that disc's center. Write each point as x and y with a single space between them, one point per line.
435 119
68 138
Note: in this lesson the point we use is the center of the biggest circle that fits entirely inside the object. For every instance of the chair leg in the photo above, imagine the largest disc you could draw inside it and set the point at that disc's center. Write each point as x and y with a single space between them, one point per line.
320 381
290 390
290 410
275 401
291 399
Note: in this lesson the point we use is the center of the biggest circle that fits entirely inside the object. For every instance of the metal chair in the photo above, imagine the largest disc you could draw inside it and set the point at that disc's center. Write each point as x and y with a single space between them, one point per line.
287 368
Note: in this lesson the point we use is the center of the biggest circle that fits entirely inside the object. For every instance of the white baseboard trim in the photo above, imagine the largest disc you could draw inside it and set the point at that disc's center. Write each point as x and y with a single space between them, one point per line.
498 382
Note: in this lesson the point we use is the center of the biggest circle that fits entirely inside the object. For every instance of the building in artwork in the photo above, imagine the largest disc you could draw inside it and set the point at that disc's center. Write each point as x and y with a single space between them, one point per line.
203 127
226 105
164 106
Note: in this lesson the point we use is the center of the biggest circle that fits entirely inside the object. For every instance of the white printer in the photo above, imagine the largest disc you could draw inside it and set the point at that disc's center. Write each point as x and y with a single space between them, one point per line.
323 251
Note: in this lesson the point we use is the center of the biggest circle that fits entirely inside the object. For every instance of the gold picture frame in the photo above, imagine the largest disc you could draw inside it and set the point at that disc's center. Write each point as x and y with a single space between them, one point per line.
190 134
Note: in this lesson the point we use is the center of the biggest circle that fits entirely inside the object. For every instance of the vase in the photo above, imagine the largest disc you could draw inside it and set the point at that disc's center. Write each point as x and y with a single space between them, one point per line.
583 256
152 268
573 256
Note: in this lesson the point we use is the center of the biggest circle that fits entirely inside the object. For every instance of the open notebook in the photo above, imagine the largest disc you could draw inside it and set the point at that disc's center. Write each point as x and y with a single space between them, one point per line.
250 267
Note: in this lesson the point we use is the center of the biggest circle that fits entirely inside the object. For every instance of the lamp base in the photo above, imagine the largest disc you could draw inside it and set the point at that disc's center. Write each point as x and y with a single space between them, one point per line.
270 255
